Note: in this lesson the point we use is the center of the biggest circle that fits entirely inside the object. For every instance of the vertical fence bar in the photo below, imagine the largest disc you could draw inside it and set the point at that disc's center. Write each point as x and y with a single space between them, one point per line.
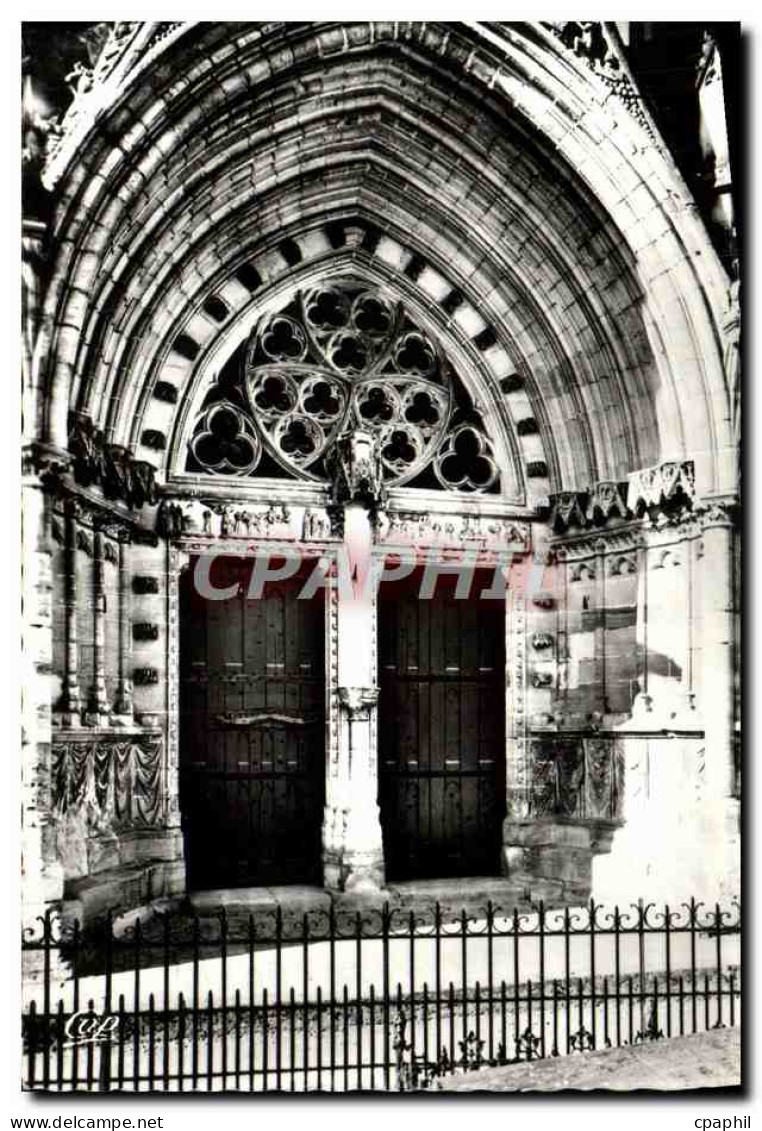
180 1042
451 1008
265 1042
490 982
385 921
707 1026
694 975
504 1018
668 965
196 1002
345 1027
438 976
631 1030
592 974
105 1050
681 1005
319 1030
516 1009
251 939
47 934
332 1015
224 993
372 1028
292 1037
75 998
606 1037
136 1007
425 1006
464 971
478 1021
718 931
60 1036
120 1050
278 996
358 995
305 999
166 959
617 976
541 926
642 962
555 1049
151 1042
411 928
32 1031
567 976
209 1042
90 1047
237 1061
732 991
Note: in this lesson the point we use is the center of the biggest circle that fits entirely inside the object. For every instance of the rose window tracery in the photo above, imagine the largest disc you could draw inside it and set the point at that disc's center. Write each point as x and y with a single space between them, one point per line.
338 357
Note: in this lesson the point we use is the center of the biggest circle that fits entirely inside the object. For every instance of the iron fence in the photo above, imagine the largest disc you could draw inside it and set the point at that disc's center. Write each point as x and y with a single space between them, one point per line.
377 999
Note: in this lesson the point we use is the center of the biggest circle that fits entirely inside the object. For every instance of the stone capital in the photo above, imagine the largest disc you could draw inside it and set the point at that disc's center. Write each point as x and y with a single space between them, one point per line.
358 702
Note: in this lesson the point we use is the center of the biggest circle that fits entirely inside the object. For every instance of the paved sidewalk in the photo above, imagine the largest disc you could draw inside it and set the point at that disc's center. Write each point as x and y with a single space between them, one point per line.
706 1060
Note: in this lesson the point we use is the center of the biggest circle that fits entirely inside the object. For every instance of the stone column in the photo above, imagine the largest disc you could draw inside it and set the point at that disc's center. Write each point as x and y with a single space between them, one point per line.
123 704
42 873
363 857
71 699
353 830
99 702
717 651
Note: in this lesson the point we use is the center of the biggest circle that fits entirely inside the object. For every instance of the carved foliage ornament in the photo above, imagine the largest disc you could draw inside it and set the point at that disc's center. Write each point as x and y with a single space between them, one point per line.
343 359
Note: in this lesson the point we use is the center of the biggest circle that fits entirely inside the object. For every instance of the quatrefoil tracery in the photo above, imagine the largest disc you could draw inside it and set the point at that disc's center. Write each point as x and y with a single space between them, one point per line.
339 357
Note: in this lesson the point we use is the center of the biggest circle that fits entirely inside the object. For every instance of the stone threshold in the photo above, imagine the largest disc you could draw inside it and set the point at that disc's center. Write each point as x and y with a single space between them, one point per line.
453 895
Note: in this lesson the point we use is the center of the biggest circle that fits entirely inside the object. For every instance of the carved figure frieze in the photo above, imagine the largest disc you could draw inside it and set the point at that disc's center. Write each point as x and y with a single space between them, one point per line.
218 519
487 532
541 641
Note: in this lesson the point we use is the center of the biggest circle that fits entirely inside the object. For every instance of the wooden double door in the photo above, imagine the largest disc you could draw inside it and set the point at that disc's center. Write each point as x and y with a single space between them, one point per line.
252 732
441 731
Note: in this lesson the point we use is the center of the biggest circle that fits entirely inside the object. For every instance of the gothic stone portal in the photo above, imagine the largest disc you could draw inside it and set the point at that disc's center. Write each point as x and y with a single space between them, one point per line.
252 732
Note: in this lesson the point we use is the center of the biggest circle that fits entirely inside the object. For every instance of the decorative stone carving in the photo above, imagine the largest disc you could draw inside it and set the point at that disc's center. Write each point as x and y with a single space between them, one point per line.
145 677
143 584
316 526
542 641
668 485
144 631
542 679
354 464
109 466
578 776
343 360
116 783
487 532
589 40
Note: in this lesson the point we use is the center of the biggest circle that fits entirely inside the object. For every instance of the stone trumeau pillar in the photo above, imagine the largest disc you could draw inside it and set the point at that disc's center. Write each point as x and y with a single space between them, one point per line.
357 493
